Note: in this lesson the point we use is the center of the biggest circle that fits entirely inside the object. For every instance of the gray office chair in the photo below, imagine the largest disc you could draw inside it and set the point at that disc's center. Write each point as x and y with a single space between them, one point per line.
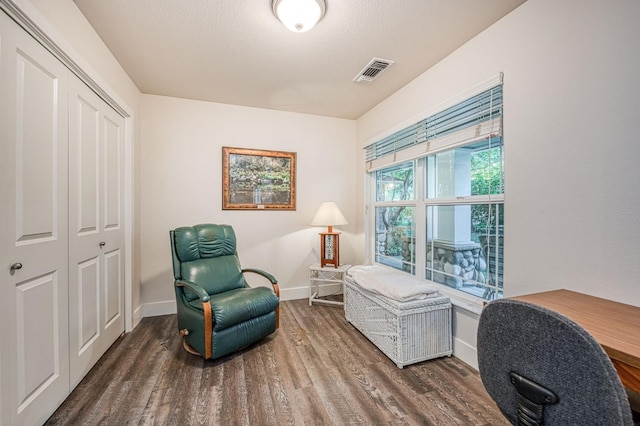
540 367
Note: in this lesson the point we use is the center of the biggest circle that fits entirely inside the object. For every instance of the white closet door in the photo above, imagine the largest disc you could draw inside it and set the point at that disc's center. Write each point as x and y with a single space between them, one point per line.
96 228
34 233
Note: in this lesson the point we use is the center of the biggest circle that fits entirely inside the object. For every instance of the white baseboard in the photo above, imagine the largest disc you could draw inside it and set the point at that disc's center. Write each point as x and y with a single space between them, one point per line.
465 352
159 308
169 307
303 292
294 293
137 316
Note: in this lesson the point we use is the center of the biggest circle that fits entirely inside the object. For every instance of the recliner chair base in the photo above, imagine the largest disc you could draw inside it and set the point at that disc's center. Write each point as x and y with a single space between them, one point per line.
189 348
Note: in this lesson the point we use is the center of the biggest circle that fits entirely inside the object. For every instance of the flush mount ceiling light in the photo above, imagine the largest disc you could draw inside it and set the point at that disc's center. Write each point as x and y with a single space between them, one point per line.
299 15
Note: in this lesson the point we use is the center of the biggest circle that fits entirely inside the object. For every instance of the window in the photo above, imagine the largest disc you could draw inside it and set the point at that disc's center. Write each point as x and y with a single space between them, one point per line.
394 217
439 213
464 224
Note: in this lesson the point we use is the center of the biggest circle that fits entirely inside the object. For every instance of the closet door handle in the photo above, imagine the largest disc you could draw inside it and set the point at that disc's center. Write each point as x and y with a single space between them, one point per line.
102 244
16 266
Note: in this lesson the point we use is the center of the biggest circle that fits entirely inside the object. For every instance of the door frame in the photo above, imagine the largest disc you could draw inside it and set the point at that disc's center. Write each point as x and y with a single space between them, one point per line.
32 21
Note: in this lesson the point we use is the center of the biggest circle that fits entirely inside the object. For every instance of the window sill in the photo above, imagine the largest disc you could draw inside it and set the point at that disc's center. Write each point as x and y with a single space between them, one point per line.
461 300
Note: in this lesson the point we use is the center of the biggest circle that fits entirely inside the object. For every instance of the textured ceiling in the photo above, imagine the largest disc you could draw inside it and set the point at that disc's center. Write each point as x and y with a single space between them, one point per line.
237 52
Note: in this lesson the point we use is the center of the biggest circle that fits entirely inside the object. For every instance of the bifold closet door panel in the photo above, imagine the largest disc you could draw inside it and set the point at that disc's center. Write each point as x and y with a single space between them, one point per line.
34 235
96 234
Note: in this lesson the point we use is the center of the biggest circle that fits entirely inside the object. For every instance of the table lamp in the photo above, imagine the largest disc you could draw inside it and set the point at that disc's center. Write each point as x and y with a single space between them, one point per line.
329 215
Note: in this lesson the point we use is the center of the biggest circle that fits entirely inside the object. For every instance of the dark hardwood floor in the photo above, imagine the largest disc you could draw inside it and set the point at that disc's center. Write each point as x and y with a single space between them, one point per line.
316 369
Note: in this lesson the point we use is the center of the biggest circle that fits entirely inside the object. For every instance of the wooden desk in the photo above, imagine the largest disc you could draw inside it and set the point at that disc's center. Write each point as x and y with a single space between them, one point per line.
614 325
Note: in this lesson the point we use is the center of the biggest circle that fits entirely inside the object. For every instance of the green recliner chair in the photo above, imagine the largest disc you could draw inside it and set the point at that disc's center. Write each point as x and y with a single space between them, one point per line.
218 313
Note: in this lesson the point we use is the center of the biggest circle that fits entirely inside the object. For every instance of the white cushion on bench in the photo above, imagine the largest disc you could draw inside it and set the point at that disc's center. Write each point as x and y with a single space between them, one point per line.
395 285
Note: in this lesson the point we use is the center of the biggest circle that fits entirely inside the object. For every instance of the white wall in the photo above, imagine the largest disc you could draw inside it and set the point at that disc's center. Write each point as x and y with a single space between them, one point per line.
182 185
572 120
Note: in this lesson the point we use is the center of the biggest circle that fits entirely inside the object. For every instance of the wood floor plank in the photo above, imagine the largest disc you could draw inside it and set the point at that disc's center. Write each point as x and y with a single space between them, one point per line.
260 402
309 408
316 369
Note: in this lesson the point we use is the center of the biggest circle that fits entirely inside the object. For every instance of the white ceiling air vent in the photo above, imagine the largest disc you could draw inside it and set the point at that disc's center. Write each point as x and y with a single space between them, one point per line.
372 70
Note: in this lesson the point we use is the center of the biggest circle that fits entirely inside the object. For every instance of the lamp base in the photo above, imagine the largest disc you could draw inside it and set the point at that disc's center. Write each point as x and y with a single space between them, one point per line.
329 249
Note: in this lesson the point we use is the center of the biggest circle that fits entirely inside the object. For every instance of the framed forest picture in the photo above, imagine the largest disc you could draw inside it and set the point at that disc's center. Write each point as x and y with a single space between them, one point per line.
254 179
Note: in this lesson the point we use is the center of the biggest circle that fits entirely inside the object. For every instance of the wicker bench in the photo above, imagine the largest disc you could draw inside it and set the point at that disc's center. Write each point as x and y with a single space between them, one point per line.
406 332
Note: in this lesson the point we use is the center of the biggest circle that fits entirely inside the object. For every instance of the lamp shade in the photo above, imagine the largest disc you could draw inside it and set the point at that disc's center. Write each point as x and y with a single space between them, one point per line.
329 215
299 15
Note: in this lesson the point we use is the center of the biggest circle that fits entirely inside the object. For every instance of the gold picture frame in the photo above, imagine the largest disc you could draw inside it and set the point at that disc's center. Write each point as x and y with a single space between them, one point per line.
255 179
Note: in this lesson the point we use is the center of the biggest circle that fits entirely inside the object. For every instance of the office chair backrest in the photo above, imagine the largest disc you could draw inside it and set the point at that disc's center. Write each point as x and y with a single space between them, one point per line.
206 255
551 351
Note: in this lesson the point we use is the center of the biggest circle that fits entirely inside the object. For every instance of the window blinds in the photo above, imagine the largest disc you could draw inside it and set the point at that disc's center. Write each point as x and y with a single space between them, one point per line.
475 118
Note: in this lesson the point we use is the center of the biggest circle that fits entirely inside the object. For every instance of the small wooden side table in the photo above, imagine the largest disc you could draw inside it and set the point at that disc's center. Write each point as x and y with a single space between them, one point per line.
325 275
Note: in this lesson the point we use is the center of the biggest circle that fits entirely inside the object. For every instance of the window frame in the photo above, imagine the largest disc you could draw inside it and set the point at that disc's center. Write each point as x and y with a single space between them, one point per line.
420 206
420 203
